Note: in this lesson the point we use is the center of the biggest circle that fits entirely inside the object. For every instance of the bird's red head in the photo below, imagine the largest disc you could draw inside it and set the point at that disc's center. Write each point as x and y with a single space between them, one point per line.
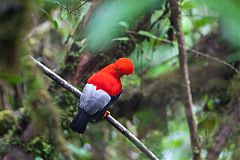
124 66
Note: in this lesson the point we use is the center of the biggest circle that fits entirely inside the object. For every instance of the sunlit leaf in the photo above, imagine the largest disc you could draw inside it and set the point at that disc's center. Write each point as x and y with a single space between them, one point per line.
203 21
187 25
151 58
55 24
121 39
187 5
148 34
124 24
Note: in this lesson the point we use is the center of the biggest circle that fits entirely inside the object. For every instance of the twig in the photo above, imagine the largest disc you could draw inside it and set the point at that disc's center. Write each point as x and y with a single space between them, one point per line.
204 55
71 10
216 59
109 118
79 6
57 78
195 139
131 137
61 5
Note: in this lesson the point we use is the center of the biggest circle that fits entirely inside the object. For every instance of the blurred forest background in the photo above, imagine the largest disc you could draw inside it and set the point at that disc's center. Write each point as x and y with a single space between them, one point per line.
76 38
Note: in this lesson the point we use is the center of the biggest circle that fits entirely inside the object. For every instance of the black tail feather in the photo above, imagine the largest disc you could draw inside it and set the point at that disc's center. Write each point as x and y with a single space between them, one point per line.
80 121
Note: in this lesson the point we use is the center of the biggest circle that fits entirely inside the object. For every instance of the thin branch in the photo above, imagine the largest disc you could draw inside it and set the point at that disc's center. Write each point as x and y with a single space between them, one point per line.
214 59
204 55
71 11
68 10
176 22
131 137
79 6
109 118
57 78
61 5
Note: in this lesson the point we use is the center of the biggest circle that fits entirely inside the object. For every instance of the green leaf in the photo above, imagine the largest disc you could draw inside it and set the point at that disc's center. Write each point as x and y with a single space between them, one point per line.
187 25
198 23
187 5
121 39
55 24
234 57
147 34
124 24
10 77
178 142
209 123
163 68
38 158
210 105
148 56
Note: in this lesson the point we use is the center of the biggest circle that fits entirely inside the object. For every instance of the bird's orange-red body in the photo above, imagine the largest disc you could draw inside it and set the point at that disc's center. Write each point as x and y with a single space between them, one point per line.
101 90
108 79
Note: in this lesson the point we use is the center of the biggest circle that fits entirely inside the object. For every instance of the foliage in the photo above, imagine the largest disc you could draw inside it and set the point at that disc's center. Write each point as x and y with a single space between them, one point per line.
7 121
113 17
230 19
28 98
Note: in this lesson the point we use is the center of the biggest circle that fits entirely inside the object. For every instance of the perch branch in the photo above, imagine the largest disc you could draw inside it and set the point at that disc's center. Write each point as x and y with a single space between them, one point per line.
57 78
109 118
195 139
131 137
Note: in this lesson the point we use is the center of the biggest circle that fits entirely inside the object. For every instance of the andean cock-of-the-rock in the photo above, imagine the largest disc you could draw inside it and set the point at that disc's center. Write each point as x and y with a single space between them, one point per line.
101 90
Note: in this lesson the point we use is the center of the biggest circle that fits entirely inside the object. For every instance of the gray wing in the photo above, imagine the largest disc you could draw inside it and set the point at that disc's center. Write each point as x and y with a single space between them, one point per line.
93 100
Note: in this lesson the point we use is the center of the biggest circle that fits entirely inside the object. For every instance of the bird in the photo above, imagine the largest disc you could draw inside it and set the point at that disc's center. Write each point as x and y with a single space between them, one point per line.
100 92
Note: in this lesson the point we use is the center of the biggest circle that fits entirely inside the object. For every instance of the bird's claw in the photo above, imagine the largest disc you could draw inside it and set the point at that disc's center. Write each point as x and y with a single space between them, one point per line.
106 114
